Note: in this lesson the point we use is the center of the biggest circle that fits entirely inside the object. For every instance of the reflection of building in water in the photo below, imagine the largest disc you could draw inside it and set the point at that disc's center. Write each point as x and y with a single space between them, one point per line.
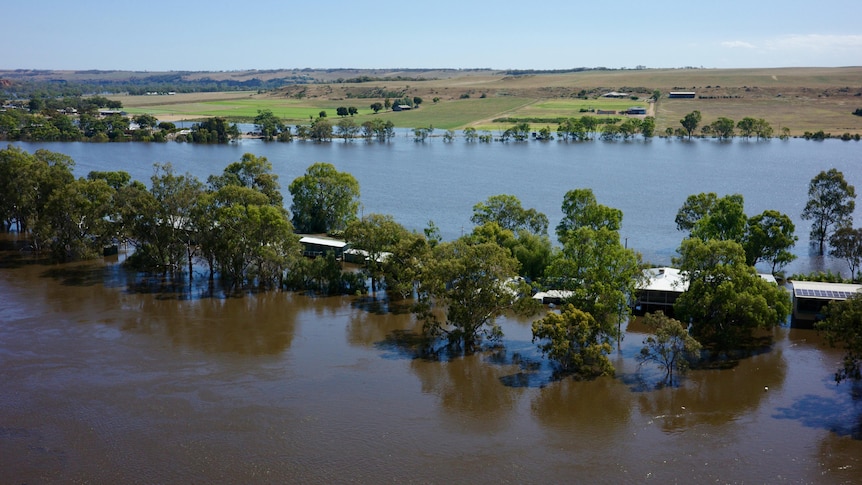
809 298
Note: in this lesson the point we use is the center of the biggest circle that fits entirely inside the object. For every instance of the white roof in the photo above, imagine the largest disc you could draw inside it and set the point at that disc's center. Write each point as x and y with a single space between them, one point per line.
561 294
824 291
333 243
664 279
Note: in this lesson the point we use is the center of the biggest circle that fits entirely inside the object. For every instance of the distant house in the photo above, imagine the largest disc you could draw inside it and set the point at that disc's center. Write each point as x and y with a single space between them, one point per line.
614 94
402 107
681 94
809 298
636 110
605 112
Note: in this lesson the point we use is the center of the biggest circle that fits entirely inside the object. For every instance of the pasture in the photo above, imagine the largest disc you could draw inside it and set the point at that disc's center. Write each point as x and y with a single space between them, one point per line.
801 99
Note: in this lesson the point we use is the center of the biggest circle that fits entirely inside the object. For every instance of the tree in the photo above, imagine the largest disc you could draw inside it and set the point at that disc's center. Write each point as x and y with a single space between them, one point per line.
254 243
506 210
575 341
74 223
251 172
769 236
377 235
843 326
690 122
669 346
726 299
471 285
470 134
723 128
648 127
533 251
321 129
831 202
342 111
145 121
846 244
580 209
268 124
747 126
707 216
598 271
324 199
376 107
352 110
347 128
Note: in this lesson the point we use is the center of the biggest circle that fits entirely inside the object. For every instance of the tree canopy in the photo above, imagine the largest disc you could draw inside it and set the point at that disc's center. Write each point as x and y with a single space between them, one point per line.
324 199
831 202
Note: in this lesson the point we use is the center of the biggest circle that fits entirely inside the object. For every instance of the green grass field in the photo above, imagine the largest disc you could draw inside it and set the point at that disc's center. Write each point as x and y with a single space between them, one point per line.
801 99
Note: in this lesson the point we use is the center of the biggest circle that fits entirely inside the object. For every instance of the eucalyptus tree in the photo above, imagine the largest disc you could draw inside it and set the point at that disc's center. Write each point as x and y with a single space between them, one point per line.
463 288
831 202
507 211
726 299
690 122
378 235
846 244
577 342
669 345
324 199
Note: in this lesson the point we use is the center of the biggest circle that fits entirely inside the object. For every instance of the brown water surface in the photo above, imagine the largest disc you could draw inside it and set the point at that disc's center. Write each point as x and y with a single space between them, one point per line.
107 378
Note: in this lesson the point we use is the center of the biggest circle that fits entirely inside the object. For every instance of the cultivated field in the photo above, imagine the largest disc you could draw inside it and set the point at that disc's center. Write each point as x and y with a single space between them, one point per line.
801 99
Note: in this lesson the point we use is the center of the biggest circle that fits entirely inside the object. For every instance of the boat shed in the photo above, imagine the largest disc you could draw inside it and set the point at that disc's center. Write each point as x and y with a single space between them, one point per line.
681 94
318 246
809 298
659 292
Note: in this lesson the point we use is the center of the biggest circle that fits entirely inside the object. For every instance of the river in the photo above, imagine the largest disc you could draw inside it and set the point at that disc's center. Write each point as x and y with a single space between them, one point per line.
109 378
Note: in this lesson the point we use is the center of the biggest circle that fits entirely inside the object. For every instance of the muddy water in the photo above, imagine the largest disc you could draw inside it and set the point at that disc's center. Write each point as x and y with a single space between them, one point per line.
108 379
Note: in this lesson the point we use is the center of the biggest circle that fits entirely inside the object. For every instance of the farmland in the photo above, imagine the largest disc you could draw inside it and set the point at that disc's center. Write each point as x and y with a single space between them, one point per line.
801 99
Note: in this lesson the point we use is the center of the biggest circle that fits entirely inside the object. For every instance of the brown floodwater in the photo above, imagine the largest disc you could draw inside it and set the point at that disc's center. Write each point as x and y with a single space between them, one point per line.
106 377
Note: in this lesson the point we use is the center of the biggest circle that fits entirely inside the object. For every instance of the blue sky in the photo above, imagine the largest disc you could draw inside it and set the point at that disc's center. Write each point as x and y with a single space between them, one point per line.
214 35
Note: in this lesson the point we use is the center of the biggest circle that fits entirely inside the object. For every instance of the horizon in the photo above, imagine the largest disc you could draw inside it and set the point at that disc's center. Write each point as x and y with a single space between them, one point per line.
217 36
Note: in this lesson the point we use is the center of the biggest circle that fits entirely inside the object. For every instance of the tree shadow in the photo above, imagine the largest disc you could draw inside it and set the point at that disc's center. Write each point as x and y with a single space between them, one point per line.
716 358
840 415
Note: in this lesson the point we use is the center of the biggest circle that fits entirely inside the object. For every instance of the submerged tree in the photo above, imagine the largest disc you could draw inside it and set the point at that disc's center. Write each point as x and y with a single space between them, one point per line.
846 244
831 202
669 346
726 299
690 122
471 284
576 341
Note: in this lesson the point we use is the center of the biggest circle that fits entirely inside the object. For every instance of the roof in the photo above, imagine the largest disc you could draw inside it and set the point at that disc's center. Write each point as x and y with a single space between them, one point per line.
664 279
333 243
824 291
553 294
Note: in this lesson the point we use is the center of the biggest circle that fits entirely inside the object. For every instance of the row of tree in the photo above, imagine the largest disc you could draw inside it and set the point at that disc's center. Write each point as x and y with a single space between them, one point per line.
236 227
725 128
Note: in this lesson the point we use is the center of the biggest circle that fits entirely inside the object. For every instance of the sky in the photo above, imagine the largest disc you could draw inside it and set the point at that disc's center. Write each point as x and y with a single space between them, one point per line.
215 35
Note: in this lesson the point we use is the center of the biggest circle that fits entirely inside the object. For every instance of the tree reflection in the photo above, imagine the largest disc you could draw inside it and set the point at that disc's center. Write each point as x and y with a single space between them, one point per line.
469 392
262 324
716 397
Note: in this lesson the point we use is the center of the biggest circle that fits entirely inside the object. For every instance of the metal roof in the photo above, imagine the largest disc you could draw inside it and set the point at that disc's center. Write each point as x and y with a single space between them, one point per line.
825 291
334 243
